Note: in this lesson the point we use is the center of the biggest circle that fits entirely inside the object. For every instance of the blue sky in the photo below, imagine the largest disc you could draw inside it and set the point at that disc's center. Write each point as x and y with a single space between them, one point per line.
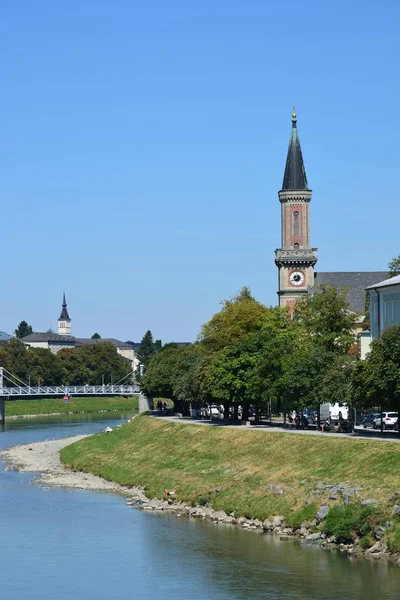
143 145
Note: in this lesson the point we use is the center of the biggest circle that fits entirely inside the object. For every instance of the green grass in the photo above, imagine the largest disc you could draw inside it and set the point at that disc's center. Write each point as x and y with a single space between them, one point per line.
195 460
74 405
393 537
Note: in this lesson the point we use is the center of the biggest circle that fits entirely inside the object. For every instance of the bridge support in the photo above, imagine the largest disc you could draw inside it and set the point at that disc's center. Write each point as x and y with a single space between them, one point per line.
144 403
2 409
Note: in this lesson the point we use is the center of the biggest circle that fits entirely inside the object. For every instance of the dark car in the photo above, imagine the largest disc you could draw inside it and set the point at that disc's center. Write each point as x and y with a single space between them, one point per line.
313 416
370 420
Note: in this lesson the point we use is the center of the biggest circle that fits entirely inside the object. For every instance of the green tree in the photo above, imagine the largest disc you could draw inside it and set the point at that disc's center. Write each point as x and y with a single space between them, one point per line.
146 348
394 267
327 318
23 330
94 364
45 366
376 381
162 373
238 317
14 358
96 336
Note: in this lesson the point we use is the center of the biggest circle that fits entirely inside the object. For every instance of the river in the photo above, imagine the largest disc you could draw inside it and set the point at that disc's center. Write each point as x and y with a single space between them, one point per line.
72 544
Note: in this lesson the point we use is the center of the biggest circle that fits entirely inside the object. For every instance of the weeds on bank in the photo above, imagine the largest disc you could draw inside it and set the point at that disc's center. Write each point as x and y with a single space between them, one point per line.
349 522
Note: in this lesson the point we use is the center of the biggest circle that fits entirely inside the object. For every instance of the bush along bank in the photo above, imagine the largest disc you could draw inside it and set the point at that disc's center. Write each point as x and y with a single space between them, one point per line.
258 480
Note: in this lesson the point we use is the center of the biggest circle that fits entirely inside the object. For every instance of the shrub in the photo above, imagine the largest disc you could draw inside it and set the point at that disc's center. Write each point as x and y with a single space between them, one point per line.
366 541
347 522
307 513
393 538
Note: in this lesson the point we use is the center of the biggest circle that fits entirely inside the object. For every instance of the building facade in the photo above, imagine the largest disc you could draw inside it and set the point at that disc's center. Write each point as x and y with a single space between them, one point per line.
295 258
384 305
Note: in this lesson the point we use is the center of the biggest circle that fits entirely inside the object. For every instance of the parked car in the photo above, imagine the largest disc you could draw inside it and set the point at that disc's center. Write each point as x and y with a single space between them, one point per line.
389 420
370 420
313 416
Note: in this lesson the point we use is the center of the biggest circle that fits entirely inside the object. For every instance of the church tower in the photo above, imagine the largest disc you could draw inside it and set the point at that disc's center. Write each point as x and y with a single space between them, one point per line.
295 259
64 322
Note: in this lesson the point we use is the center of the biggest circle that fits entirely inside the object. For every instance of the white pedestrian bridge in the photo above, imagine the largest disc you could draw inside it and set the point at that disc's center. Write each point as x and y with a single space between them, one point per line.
18 390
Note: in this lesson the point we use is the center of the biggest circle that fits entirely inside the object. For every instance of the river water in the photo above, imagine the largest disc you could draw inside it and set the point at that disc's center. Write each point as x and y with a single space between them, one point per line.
72 544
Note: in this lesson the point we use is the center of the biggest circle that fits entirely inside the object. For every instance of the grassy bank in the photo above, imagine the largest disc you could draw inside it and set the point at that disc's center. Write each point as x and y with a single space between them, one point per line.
254 473
74 405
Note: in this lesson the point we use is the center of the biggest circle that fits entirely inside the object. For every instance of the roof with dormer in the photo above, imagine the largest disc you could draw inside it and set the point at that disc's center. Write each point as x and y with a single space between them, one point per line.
295 177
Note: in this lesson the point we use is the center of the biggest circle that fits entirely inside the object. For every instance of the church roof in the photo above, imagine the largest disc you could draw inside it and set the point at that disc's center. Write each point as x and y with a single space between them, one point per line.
90 341
38 336
355 281
64 316
295 177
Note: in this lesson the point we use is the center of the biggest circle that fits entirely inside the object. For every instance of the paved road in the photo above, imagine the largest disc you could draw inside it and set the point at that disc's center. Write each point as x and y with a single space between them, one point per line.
360 432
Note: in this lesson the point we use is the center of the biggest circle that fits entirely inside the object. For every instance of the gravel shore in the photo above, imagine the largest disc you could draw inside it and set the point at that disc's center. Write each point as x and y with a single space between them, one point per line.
44 458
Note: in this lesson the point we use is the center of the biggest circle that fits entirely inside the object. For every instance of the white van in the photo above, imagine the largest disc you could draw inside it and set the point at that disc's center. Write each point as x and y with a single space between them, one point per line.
334 411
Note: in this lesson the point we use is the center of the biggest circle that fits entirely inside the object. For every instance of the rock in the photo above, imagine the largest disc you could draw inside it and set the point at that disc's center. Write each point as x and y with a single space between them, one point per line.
333 496
220 515
304 531
395 497
313 537
379 531
396 509
287 531
313 523
257 523
241 520
275 489
273 522
377 549
228 519
369 501
322 513
346 498
217 489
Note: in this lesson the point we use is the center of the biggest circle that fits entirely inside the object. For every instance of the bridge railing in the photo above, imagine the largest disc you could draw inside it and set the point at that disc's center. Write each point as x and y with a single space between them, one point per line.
71 390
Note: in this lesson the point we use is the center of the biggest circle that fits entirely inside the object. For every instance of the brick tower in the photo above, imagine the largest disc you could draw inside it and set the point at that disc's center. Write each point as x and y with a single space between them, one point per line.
295 259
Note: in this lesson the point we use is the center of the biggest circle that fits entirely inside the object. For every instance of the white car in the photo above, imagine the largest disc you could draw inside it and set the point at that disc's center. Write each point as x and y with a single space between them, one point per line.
389 420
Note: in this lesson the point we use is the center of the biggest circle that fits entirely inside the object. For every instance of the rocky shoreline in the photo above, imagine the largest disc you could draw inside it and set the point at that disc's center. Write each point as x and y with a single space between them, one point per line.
43 458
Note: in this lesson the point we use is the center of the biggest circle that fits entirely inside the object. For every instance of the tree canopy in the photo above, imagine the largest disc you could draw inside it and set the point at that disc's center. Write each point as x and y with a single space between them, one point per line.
394 266
147 348
90 364
23 330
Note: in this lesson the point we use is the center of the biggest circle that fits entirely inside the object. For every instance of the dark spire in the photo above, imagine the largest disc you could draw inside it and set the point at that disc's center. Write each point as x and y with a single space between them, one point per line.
295 177
64 312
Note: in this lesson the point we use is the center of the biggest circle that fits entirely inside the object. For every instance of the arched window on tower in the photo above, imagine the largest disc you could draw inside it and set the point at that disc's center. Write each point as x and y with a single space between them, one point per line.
296 223
296 246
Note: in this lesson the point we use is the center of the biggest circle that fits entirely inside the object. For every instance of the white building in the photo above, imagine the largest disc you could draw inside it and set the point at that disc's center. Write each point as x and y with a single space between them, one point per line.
384 310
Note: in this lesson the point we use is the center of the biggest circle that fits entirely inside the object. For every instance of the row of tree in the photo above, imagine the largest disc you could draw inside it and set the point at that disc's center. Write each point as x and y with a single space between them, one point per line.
251 354
93 364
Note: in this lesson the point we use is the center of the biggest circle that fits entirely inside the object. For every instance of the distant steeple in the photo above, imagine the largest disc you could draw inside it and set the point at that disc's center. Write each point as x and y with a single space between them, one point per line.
64 321
295 177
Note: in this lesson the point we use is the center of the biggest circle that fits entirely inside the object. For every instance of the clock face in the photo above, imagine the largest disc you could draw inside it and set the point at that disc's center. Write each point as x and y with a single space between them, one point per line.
296 278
